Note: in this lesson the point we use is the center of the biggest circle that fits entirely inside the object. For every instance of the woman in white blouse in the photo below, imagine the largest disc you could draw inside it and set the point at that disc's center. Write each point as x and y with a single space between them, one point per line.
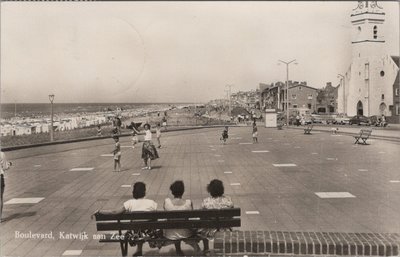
149 151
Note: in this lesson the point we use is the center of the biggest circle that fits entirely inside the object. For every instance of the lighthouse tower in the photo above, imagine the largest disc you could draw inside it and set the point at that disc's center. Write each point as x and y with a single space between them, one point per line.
367 87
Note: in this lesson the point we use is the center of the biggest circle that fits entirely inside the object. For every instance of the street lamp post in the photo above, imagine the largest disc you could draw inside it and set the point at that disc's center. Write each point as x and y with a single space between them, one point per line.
51 98
344 92
287 89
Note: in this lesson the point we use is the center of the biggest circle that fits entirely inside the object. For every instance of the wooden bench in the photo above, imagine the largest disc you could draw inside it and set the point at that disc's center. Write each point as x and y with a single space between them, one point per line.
363 135
118 224
308 129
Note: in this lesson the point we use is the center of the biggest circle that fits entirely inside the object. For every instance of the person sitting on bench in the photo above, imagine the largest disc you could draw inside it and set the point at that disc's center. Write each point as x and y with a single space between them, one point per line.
138 203
216 201
177 203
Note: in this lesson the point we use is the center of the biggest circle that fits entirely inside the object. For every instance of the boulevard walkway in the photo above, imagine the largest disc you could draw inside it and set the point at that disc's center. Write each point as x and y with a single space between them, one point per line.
287 182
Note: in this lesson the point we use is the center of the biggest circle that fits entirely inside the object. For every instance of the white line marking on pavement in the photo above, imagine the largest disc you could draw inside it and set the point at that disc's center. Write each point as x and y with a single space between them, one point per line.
297 147
135 174
126 146
24 200
334 195
236 138
260 151
37 165
228 172
81 169
382 152
221 161
394 181
235 184
72 252
217 155
126 186
314 153
270 138
252 212
284 165
331 159
245 143
354 145
107 155
286 143
213 149
362 170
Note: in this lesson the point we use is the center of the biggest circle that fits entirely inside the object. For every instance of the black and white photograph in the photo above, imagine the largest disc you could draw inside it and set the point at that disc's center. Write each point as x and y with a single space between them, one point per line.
200 128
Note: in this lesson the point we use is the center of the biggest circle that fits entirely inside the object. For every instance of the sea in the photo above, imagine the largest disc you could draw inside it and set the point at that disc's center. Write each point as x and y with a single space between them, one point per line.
37 110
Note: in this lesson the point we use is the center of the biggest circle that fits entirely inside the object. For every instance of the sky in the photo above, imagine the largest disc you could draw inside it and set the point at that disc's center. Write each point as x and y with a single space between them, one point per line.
172 51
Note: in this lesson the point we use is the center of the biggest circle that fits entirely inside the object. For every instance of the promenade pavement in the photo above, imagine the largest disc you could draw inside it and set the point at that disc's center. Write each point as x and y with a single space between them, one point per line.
287 182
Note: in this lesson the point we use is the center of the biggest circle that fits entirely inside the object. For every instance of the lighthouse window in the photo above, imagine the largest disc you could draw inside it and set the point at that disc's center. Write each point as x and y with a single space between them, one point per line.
382 73
383 97
375 32
359 28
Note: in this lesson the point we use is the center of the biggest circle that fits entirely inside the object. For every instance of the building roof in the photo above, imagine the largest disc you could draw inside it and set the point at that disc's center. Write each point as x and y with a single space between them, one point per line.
302 85
396 60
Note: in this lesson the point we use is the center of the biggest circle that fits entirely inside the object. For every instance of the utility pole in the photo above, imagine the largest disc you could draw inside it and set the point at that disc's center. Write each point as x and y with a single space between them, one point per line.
229 97
342 78
287 89
51 98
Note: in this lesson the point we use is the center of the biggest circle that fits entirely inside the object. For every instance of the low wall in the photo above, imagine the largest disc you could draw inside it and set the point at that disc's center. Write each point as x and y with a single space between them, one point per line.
306 243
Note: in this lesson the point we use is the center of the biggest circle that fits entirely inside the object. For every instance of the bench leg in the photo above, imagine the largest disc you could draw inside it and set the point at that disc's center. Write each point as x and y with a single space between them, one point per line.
357 140
124 248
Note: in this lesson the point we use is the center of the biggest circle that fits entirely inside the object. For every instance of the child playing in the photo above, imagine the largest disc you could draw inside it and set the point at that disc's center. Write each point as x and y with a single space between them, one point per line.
224 134
117 154
158 134
135 139
255 133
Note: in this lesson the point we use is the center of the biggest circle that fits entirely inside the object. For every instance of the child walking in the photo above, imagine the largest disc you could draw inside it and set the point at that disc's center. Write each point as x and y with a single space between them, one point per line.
158 134
255 133
117 154
224 135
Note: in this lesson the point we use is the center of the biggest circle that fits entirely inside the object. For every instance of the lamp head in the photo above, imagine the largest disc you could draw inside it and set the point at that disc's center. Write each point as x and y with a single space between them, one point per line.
51 97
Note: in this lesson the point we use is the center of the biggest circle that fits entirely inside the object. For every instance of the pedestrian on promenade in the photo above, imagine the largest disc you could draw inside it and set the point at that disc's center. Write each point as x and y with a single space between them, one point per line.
99 131
149 151
164 122
383 120
158 134
5 165
224 136
297 120
255 133
177 203
117 154
138 203
216 200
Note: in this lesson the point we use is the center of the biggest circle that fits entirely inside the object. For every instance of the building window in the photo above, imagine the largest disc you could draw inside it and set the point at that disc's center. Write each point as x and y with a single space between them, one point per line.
375 32
309 106
383 97
366 68
397 109
382 73
294 96
310 97
396 92
299 88
295 106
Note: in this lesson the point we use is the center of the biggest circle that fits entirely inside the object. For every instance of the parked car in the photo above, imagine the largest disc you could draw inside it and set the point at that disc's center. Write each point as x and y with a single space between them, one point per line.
376 121
360 120
341 119
316 119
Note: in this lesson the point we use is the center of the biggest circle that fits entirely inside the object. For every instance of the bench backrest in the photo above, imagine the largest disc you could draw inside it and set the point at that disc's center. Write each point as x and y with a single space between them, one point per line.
221 218
365 132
